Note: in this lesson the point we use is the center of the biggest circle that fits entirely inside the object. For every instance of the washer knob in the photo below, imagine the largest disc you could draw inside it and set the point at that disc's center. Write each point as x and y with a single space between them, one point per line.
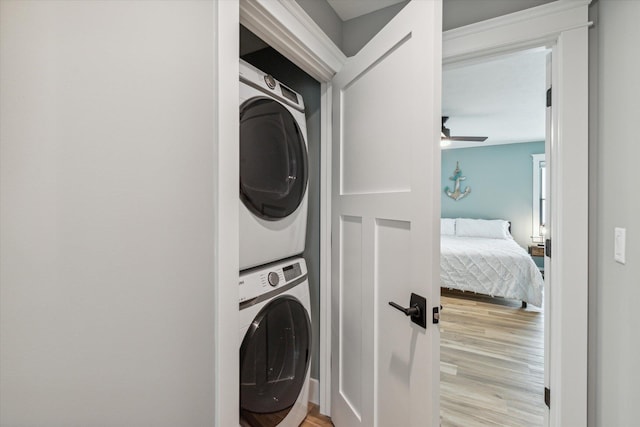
273 278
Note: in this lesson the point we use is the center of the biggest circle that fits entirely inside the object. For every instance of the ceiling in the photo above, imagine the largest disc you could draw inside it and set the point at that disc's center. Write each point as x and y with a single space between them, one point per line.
502 98
353 8
456 13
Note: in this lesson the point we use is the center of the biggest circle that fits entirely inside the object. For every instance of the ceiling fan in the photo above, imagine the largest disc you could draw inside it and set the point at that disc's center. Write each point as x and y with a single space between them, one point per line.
445 134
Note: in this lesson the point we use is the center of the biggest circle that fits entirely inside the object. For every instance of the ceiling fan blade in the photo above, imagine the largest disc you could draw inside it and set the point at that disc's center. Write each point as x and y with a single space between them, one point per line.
469 138
446 134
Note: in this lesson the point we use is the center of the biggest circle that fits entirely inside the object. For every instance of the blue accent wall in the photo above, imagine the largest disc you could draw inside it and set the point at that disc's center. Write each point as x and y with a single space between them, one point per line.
500 177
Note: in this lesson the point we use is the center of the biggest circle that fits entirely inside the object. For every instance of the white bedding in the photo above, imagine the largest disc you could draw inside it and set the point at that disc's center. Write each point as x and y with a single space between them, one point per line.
496 267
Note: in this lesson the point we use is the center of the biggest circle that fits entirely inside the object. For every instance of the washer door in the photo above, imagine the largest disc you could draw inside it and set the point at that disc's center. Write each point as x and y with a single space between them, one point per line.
274 359
273 159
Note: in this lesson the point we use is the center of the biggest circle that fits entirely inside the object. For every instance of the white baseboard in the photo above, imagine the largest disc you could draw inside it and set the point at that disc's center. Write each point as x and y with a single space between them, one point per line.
314 391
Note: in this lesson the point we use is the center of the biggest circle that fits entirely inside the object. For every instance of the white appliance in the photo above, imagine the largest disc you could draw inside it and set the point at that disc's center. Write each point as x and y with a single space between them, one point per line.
273 169
275 354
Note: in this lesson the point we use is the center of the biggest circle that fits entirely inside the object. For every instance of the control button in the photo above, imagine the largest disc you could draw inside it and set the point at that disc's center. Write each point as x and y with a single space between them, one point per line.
273 278
270 81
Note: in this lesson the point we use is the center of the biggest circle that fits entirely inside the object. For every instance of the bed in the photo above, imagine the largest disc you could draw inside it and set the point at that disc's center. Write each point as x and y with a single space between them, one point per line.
481 256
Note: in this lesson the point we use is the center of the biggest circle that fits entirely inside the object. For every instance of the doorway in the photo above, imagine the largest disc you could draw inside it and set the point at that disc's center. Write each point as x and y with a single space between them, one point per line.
492 322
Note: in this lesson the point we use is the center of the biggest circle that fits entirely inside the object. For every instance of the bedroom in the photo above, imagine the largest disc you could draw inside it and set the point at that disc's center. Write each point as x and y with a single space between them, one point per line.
492 321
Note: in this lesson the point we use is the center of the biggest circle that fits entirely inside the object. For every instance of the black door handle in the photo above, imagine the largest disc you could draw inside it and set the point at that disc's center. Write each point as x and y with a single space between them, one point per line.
417 309
413 311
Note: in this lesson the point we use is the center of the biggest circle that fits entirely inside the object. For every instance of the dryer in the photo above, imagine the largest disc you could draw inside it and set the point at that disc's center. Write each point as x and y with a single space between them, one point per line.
275 354
273 169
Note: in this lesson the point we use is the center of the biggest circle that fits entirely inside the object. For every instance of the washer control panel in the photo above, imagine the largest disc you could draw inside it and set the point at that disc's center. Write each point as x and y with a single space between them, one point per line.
261 280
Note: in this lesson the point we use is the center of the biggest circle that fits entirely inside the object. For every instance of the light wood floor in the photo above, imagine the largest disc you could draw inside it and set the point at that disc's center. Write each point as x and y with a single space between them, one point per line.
491 362
315 419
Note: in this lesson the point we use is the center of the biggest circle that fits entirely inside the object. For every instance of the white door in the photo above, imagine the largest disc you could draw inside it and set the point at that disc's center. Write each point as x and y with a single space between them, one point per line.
385 225
546 188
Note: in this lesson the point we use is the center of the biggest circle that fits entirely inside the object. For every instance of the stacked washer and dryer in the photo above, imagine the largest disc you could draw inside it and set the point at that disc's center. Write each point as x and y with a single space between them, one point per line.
275 326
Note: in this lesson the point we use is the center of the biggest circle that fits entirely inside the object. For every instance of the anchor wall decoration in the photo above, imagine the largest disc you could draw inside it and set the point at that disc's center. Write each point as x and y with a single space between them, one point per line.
457 192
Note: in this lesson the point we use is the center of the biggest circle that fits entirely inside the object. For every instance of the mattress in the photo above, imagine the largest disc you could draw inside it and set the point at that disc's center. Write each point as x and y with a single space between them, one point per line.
495 267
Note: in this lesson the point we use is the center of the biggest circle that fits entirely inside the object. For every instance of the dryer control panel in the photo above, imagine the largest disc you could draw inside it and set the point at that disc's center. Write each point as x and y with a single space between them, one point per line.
267 84
266 279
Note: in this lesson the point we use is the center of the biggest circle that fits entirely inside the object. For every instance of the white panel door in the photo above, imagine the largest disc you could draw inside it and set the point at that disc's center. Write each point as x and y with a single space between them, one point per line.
385 225
549 140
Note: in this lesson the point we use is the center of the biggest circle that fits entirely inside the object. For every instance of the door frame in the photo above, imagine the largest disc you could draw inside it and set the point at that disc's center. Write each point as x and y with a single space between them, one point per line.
225 264
287 28
562 26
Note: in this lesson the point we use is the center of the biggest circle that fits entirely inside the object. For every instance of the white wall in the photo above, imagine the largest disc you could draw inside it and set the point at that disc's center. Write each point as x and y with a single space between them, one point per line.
106 213
615 289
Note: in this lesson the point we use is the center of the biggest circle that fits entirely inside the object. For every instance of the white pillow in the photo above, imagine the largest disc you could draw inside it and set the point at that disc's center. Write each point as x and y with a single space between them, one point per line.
448 226
488 228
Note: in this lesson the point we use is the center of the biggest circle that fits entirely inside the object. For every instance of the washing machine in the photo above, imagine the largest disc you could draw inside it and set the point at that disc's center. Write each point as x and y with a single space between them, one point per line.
275 350
273 169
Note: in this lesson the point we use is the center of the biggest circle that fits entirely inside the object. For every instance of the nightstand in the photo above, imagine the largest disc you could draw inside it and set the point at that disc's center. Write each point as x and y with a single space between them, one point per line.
535 250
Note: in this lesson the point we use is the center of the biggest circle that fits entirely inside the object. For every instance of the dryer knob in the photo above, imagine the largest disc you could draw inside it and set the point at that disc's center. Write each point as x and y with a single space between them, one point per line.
270 81
273 278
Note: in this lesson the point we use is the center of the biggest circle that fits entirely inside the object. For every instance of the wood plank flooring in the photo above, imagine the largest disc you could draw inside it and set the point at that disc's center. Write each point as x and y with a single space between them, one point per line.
315 419
491 362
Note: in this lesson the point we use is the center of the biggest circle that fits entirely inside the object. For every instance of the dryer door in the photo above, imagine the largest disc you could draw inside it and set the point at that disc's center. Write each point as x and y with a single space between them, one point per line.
273 159
274 359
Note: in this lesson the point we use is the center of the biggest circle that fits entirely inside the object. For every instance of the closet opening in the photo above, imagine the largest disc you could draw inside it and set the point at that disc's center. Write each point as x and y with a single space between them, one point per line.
280 153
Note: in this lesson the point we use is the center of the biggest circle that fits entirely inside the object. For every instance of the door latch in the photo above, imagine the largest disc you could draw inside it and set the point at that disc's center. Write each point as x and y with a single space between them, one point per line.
417 310
436 314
